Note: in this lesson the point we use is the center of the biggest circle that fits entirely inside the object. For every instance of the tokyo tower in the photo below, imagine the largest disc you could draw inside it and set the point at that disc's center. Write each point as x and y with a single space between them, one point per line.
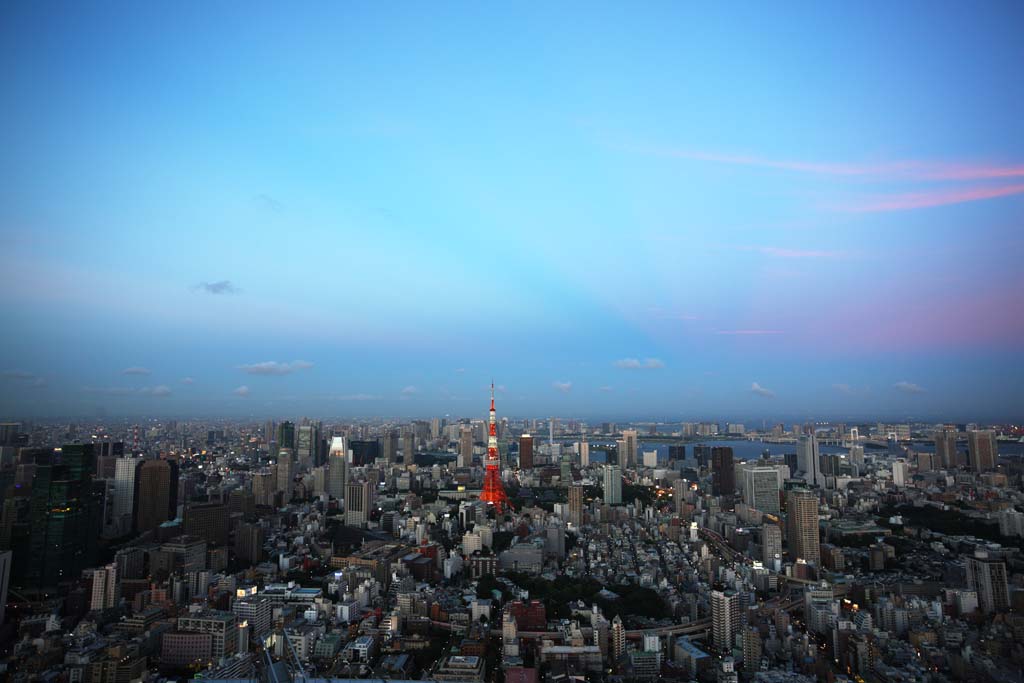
494 492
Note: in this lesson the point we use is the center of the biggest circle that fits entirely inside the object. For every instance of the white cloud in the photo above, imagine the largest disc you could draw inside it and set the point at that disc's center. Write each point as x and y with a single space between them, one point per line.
606 389
409 391
761 391
159 390
909 387
187 380
241 391
843 388
564 387
136 371
637 364
272 367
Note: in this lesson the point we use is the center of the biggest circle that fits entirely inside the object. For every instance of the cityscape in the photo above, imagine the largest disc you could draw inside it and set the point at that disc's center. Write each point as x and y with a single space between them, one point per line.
586 342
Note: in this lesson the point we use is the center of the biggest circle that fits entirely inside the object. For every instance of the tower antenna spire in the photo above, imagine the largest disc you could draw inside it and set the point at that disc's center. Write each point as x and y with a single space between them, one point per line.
493 492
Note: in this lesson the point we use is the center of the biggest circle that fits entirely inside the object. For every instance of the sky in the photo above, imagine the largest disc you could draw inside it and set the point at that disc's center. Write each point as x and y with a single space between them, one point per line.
617 211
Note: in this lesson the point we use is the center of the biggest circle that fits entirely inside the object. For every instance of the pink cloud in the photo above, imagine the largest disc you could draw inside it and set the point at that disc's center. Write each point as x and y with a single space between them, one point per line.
901 170
748 332
943 197
785 252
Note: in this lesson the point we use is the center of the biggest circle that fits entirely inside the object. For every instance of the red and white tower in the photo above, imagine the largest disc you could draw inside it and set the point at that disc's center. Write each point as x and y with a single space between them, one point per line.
494 492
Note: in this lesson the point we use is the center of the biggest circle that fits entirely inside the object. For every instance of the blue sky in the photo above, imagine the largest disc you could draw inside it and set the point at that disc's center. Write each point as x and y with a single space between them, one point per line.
614 211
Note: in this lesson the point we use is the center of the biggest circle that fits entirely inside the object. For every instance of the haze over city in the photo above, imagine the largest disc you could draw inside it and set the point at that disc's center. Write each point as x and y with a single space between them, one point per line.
674 213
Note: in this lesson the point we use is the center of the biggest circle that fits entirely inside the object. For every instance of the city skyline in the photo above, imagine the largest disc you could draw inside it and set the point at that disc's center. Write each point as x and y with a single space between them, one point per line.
613 214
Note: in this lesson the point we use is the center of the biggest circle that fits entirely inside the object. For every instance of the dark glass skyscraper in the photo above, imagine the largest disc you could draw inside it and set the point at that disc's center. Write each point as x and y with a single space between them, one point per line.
65 518
723 471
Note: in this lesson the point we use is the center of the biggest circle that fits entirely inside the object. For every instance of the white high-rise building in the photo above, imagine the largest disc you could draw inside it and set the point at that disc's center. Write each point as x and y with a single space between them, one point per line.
612 485
124 494
808 460
337 466
900 473
761 487
725 619
106 589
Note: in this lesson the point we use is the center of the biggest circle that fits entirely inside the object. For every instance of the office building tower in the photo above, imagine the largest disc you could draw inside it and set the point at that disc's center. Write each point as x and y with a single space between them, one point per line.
5 580
982 450
676 453
306 443
576 505
156 495
363 452
584 453
409 447
771 546
725 619
802 525
945 447
249 543
723 471
702 454
106 588
987 576
264 486
337 467
761 487
357 503
389 446
208 521
900 473
526 452
628 451
285 473
66 516
466 447
613 485
286 435
808 460
123 513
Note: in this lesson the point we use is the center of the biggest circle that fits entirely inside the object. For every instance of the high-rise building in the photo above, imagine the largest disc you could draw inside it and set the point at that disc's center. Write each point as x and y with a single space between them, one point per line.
982 450
66 515
156 495
525 452
630 444
613 485
389 446
618 638
409 447
264 486
106 588
900 473
306 444
808 461
584 453
5 578
802 525
761 487
337 467
945 447
771 546
723 471
751 649
286 435
676 453
987 576
285 473
725 619
466 446
249 543
123 516
208 521
576 505
357 503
